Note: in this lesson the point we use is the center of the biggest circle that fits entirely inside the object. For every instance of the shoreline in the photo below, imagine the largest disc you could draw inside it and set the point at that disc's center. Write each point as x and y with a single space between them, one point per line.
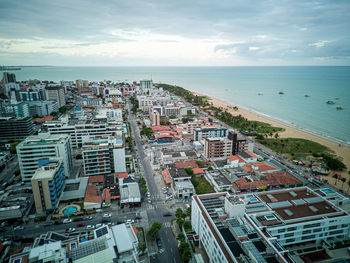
291 131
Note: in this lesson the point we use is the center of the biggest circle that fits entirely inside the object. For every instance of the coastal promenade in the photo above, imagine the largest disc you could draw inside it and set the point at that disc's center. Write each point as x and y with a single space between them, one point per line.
339 149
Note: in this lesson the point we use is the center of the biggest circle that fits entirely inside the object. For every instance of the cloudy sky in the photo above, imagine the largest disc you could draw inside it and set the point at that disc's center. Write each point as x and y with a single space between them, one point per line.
177 32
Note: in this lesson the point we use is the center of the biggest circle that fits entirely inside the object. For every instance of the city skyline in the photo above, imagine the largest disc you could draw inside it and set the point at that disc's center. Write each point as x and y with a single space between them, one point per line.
153 33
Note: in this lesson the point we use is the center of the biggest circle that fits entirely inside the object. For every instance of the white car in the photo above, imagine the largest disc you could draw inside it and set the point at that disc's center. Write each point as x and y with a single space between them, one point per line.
149 201
107 215
70 230
98 225
67 220
130 221
18 228
90 227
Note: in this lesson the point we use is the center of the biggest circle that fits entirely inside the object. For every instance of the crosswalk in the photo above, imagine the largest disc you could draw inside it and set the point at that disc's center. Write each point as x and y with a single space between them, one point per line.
166 224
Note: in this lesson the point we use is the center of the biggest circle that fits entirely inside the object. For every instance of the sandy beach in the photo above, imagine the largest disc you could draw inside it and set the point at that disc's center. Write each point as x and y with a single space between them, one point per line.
292 132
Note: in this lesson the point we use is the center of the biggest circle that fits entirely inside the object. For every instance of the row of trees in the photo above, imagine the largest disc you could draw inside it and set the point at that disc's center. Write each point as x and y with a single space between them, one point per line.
342 179
184 246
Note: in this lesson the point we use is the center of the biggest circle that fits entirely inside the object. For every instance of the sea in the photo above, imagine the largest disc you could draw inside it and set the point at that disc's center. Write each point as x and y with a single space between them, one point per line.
254 88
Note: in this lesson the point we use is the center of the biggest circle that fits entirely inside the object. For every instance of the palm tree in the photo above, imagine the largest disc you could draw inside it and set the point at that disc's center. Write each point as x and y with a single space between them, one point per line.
336 177
343 180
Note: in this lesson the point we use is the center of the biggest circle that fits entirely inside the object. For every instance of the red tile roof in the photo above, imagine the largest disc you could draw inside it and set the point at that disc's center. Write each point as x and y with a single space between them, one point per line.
262 167
159 128
91 195
198 170
44 118
185 164
235 158
271 179
96 179
251 154
122 175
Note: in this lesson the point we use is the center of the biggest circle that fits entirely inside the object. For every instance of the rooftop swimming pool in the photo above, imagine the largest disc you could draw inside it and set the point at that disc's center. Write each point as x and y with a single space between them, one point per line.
327 191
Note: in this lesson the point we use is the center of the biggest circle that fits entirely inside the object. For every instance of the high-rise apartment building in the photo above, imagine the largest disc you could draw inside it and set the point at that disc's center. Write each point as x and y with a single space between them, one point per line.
208 132
42 146
145 85
103 155
48 184
15 129
56 94
217 148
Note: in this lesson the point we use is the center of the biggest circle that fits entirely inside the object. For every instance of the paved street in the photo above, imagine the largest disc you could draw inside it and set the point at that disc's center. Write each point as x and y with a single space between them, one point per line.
169 242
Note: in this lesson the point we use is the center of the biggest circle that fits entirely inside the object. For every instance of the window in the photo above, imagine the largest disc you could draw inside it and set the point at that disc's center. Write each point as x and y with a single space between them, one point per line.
312 225
333 227
289 235
290 240
292 229
306 232
281 230
317 230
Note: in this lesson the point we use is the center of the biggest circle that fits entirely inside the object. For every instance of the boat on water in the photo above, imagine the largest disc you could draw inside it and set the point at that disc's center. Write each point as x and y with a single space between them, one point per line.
260 93
340 108
330 102
336 98
281 92
306 95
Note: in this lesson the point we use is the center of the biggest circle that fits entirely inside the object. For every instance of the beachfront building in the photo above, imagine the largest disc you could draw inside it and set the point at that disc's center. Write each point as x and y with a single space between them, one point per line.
263 226
208 132
217 148
239 143
47 184
145 85
43 146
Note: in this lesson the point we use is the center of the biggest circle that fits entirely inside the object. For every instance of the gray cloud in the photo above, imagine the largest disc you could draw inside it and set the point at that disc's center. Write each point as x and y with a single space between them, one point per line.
281 29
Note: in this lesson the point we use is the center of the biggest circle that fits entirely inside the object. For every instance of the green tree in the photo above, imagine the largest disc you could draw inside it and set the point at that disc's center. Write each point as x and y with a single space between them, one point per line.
154 230
343 180
188 212
13 147
181 237
180 222
189 171
179 213
63 109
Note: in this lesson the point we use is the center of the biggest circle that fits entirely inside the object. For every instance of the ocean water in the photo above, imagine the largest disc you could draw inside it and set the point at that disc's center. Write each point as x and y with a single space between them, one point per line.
240 86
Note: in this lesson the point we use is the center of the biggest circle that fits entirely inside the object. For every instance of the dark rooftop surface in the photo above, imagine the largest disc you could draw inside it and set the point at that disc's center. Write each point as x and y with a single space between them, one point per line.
232 243
71 187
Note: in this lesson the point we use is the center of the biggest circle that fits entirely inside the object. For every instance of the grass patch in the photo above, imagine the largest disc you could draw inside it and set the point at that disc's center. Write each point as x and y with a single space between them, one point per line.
294 147
201 185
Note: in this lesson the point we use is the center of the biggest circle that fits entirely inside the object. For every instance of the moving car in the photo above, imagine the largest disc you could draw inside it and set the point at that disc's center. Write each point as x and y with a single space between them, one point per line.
70 230
108 215
67 220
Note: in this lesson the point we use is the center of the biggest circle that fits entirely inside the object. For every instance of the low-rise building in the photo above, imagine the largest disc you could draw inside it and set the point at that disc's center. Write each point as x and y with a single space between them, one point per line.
130 195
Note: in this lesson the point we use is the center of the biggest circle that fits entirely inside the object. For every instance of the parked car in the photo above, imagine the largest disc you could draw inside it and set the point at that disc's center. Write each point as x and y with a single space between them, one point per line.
167 214
67 220
138 217
130 221
106 220
108 215
88 218
70 230
80 224
98 225
18 228
77 219
159 242
90 227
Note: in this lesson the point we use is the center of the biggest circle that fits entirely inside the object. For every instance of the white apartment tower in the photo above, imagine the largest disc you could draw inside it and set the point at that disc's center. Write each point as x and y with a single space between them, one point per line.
44 146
